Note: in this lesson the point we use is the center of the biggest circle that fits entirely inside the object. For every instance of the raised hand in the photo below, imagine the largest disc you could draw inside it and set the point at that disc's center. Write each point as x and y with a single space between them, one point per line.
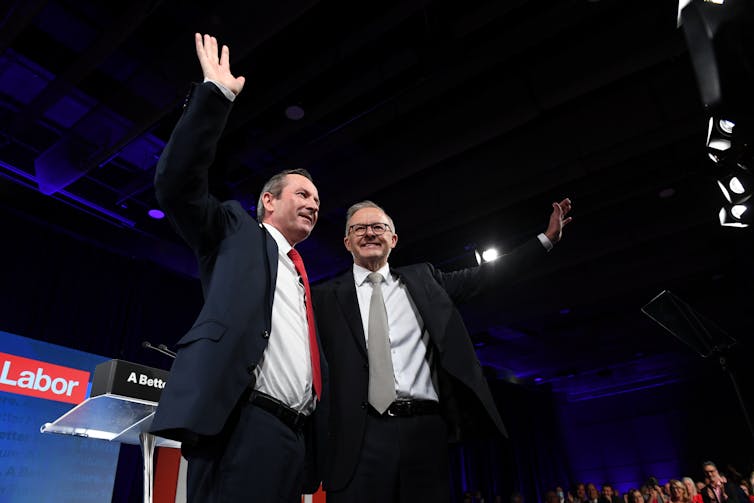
216 65
558 220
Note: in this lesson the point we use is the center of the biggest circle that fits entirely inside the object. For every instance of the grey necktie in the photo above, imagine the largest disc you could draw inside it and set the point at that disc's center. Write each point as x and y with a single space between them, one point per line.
381 381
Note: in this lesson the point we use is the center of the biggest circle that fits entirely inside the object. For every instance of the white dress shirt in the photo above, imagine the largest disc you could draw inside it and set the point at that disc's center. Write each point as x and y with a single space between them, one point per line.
285 370
409 341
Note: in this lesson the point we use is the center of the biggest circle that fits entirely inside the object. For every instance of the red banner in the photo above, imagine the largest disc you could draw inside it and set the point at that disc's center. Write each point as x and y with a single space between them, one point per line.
24 376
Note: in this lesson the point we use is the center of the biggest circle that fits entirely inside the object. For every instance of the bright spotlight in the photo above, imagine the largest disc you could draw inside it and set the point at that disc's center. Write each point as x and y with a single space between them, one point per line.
490 254
720 144
736 186
718 137
726 126
738 210
735 215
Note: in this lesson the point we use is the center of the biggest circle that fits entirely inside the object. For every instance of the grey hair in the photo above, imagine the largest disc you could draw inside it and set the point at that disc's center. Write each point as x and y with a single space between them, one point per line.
366 204
275 186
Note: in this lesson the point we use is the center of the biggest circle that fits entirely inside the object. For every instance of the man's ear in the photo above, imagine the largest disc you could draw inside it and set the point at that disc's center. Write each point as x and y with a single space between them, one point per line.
267 199
347 243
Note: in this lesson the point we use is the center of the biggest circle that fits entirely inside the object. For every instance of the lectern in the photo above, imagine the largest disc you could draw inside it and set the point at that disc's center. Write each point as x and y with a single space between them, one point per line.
120 408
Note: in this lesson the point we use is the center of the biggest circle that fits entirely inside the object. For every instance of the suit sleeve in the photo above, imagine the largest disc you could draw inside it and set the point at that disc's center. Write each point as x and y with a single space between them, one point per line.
181 178
468 283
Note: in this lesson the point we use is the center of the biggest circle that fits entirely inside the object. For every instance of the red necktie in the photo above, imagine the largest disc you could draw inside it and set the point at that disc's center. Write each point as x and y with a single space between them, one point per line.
313 347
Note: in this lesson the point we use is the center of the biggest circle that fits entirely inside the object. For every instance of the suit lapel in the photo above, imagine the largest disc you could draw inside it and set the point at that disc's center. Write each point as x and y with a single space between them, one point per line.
345 294
432 318
271 249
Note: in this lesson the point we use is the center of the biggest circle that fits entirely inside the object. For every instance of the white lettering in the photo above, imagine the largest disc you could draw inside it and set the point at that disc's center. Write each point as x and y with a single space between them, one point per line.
41 377
38 381
56 386
152 382
4 376
132 377
26 379
71 385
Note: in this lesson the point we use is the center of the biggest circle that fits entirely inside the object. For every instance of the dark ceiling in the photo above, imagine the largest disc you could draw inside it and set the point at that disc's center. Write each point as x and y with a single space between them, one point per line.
464 119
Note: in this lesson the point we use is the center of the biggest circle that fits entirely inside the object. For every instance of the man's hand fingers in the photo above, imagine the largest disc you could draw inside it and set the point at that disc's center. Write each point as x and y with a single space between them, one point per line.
565 205
207 44
199 46
216 62
213 49
225 56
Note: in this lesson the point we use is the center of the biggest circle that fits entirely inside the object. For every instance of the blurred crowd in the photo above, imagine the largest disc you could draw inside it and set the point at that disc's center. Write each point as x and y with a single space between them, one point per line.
713 487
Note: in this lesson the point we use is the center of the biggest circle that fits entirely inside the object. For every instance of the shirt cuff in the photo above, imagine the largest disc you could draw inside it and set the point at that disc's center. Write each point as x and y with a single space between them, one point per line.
227 92
545 241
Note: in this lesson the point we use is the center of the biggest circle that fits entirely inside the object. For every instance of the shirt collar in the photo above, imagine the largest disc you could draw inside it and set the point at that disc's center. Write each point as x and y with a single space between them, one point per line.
283 245
360 274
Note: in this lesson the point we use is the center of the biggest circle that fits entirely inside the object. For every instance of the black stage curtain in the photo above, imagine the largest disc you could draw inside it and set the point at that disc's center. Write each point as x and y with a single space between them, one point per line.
532 458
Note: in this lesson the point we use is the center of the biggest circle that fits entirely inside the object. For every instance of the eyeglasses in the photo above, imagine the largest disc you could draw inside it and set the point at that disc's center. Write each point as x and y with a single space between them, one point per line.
361 229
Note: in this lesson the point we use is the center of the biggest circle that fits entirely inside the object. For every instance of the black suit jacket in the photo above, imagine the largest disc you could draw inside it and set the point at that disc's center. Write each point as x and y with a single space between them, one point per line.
238 268
465 397
734 493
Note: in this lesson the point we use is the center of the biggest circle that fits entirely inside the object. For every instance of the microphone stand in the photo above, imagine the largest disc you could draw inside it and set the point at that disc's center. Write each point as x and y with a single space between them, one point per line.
160 349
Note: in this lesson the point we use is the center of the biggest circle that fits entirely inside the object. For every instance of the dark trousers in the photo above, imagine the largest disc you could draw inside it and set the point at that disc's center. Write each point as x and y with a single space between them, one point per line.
403 459
256 458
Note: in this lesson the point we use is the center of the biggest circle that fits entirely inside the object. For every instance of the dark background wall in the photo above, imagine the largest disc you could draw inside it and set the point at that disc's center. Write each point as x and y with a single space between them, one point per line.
65 291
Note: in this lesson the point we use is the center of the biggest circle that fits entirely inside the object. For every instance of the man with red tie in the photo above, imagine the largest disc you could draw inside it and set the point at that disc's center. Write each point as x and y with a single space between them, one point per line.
248 376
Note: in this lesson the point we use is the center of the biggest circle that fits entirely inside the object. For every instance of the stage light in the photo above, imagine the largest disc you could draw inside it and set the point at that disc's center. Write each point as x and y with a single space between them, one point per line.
738 210
718 138
733 190
720 38
735 215
726 126
487 255
735 186
156 214
735 180
490 254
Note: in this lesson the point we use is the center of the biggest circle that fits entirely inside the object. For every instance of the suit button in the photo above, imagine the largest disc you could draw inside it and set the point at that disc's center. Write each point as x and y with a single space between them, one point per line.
364 405
265 335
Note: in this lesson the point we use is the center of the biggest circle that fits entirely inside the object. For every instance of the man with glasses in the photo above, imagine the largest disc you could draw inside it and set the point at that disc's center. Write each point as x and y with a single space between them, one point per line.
404 375
718 489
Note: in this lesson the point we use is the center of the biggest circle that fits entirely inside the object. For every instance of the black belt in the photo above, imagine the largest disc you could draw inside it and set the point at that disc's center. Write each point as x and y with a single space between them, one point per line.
408 408
294 420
